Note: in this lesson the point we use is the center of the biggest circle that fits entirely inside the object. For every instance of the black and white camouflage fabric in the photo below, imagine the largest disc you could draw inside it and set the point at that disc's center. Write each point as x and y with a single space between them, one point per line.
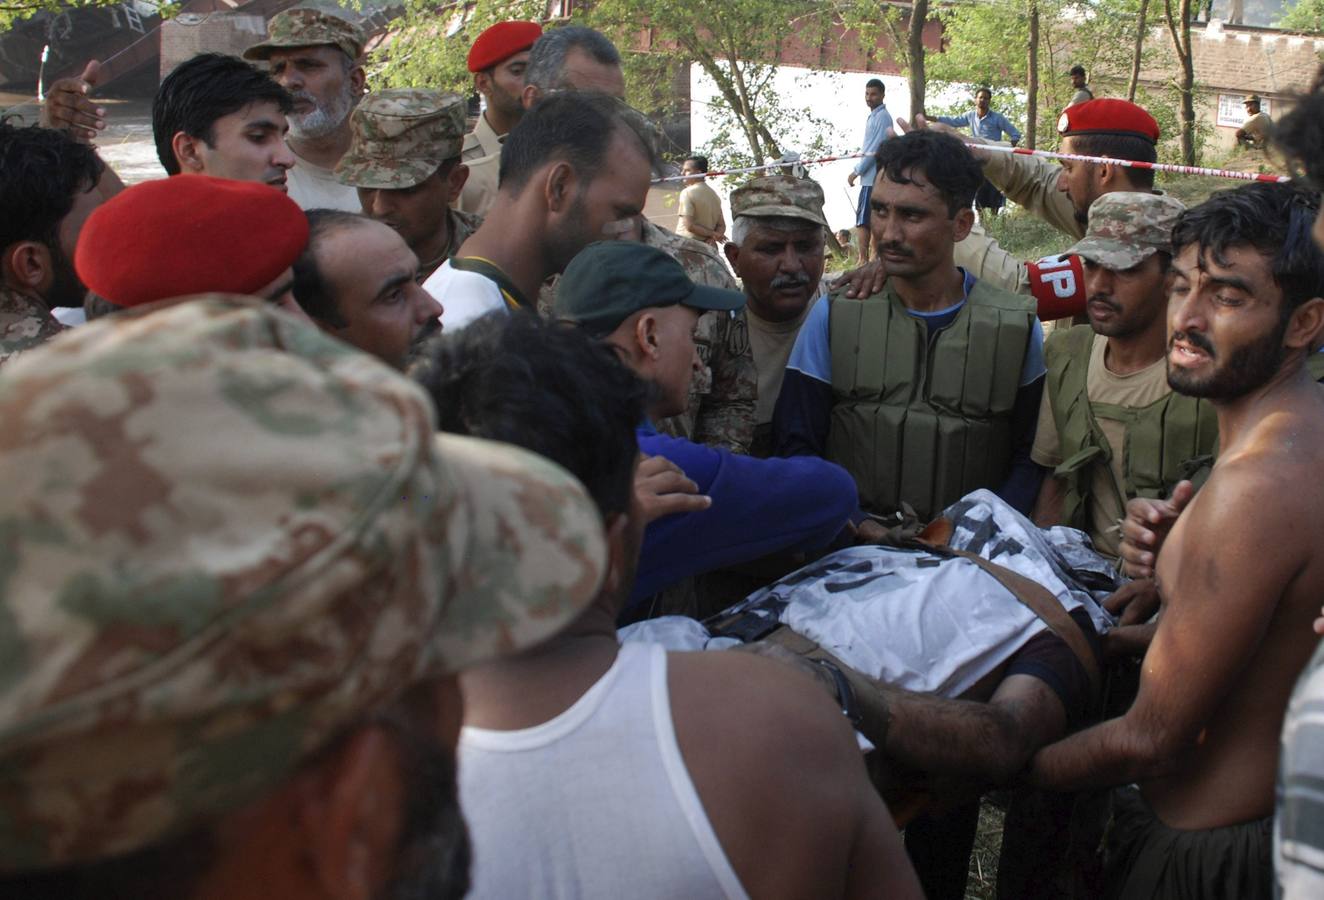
917 620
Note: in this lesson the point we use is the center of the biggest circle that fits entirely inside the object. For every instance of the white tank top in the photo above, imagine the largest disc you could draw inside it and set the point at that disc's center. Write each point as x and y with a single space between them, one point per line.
595 803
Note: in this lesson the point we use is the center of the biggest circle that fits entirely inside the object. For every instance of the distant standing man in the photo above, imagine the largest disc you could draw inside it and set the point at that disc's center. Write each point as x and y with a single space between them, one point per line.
1254 132
700 207
984 123
876 130
405 164
317 57
497 60
1080 85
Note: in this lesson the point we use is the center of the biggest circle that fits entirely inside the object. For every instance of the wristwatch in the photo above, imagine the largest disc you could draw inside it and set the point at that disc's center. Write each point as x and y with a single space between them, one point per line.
850 707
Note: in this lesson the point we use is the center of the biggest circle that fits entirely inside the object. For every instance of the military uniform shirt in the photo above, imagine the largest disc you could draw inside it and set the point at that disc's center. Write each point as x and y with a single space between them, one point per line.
1138 389
313 187
701 205
25 322
771 343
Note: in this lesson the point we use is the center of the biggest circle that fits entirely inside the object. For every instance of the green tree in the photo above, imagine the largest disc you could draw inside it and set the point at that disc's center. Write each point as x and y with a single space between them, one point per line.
1304 15
14 11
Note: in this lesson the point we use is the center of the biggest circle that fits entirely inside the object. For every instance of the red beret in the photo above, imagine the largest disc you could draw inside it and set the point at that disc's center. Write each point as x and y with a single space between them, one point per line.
1108 116
189 234
502 41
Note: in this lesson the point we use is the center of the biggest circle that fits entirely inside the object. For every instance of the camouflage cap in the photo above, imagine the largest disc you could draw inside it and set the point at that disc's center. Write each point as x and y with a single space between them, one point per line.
304 27
780 195
400 137
1127 227
227 537
1252 98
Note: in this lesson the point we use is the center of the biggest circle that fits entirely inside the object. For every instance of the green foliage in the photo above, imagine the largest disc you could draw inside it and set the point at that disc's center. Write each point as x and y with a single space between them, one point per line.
15 11
1304 15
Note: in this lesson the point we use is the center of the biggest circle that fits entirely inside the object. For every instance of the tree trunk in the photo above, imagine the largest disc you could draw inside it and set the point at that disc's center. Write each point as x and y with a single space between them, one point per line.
1139 49
1032 85
1180 30
919 13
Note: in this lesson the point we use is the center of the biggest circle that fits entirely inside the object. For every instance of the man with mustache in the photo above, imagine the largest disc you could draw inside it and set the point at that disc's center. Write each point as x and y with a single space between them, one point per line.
930 388
404 163
316 56
776 247
1110 427
1240 573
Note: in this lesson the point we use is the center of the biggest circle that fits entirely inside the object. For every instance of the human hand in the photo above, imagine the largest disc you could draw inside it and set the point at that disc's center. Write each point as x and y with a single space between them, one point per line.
662 489
851 178
68 107
865 281
1134 602
1146 527
870 531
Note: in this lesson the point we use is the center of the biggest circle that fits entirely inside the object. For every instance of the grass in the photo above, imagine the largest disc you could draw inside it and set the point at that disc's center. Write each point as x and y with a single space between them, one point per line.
983 881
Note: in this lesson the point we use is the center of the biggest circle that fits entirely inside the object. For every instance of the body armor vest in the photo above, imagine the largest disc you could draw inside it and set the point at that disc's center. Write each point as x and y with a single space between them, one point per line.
925 419
1165 442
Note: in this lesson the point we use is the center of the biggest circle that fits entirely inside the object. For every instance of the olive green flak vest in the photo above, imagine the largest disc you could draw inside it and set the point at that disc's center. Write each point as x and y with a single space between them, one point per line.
1165 441
1315 366
919 419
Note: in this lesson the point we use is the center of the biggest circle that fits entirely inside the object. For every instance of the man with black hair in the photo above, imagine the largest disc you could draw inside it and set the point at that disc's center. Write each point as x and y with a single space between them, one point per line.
575 170
877 128
699 207
1240 573
568 58
49 183
698 762
885 386
1080 85
359 281
220 116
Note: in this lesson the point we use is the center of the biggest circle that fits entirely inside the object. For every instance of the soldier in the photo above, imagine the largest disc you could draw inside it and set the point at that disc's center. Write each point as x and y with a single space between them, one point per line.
1254 132
50 186
498 60
776 247
317 57
1080 86
1110 427
242 238
405 164
259 635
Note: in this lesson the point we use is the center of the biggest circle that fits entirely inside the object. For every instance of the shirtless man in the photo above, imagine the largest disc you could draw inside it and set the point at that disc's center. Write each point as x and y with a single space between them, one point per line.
1240 574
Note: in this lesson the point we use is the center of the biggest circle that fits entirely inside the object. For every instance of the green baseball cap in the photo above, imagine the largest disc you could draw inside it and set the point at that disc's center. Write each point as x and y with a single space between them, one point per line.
304 27
612 280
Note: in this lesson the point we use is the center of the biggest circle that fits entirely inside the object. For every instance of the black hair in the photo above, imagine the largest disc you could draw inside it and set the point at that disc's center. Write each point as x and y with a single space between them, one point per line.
875 83
1300 133
203 89
546 67
984 90
41 172
1121 146
1077 70
575 126
544 386
700 162
945 161
1273 219
310 289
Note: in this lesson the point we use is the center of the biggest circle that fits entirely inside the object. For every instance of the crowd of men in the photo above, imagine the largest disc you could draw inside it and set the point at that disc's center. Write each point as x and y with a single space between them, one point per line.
319 532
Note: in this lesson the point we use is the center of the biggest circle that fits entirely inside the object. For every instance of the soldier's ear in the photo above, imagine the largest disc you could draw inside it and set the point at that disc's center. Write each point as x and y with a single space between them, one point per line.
559 186
532 94
27 264
358 80
455 181
732 253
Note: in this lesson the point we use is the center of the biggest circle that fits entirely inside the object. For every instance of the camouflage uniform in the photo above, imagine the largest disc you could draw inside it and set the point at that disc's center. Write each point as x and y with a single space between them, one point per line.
25 322
186 620
775 196
1126 228
400 138
723 396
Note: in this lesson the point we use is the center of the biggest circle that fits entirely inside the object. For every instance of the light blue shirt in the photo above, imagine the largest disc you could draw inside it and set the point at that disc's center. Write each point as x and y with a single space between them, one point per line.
875 132
990 128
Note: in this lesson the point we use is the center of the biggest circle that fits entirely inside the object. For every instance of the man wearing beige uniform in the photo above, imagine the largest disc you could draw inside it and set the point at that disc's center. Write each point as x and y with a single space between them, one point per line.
700 207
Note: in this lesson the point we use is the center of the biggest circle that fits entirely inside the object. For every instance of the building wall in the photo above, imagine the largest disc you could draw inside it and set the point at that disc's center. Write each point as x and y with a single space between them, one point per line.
187 35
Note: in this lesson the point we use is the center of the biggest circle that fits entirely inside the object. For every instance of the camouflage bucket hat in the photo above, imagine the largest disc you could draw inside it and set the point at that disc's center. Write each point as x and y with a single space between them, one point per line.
1126 228
780 195
400 137
227 537
302 27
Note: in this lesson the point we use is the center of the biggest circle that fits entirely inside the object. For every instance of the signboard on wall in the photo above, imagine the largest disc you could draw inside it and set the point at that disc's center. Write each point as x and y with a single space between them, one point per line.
1232 113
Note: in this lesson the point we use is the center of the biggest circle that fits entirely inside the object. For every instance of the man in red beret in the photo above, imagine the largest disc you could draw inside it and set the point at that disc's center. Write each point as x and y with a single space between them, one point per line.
180 236
497 60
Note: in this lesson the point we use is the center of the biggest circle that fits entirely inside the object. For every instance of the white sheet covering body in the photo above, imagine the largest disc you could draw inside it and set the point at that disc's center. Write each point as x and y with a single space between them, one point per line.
917 620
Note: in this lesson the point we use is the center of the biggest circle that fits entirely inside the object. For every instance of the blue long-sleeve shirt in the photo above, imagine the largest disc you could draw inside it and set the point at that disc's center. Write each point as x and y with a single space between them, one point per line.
760 506
875 132
991 127
803 414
